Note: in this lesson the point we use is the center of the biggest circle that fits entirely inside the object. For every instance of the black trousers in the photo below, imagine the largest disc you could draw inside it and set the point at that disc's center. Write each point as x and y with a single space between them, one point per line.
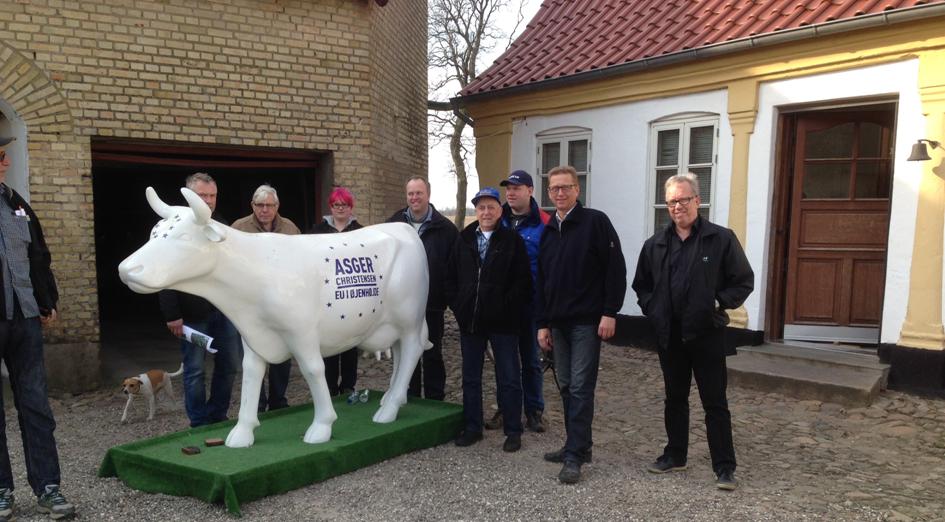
430 370
345 365
703 357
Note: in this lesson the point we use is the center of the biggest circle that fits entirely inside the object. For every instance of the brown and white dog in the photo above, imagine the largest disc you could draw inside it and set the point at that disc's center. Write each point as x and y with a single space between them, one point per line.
148 384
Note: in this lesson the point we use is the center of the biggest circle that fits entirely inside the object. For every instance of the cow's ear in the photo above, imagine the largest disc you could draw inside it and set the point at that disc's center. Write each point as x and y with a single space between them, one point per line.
214 231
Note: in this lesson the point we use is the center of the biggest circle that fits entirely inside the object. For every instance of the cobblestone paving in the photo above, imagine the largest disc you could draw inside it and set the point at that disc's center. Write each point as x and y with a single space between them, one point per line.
798 460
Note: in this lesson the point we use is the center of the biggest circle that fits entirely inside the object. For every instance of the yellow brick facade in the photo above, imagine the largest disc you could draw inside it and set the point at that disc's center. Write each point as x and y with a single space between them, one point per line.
340 76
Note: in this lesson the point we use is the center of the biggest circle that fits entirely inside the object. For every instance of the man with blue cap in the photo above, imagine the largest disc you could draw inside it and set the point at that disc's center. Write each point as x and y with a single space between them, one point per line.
487 284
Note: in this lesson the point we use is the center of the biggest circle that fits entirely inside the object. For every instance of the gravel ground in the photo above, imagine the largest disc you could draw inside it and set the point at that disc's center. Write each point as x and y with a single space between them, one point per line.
799 460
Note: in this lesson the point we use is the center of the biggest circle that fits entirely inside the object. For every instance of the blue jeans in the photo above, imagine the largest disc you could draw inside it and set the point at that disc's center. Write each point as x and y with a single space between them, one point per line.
508 383
278 384
21 346
577 354
227 360
532 378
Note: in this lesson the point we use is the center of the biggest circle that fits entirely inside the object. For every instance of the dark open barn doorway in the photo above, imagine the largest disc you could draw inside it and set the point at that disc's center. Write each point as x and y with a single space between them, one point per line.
122 169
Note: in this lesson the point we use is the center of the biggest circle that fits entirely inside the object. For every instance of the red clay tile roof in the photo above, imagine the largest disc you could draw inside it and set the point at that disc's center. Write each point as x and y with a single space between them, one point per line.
571 37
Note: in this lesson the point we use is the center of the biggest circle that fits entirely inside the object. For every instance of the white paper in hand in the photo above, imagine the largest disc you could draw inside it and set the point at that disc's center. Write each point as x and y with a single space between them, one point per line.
198 339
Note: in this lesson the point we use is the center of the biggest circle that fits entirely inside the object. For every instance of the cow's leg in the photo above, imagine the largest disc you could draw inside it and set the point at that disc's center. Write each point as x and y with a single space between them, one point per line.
395 350
313 370
124 414
407 354
254 367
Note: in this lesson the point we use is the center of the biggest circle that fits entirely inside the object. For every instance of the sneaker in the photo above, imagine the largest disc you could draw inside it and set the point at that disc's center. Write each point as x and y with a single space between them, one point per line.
6 505
55 504
570 472
726 480
558 456
467 438
534 423
665 464
495 422
512 443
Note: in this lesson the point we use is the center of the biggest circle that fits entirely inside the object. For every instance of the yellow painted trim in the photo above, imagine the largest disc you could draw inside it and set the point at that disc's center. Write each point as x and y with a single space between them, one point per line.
493 152
923 325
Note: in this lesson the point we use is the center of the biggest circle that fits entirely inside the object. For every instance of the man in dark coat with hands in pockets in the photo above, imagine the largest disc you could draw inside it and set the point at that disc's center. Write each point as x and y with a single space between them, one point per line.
688 274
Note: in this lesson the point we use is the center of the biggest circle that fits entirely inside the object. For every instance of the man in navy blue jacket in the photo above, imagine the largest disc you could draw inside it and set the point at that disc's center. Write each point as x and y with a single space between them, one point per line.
522 214
582 279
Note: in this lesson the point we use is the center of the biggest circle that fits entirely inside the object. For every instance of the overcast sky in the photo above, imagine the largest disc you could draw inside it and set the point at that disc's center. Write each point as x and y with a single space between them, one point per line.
442 180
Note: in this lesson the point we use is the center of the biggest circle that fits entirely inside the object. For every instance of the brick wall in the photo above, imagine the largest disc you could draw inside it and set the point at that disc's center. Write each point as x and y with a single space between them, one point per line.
344 76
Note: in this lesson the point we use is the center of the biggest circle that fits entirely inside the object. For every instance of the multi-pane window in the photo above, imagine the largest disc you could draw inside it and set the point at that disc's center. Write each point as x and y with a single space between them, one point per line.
679 147
572 149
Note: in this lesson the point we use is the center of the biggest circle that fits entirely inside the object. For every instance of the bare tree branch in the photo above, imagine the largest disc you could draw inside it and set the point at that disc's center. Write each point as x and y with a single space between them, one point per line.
459 32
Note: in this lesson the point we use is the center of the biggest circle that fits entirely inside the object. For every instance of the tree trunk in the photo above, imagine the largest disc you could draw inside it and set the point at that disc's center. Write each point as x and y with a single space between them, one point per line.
459 164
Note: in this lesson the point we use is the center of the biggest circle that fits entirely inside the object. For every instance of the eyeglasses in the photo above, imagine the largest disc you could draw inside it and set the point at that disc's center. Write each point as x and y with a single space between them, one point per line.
265 205
340 206
682 202
560 188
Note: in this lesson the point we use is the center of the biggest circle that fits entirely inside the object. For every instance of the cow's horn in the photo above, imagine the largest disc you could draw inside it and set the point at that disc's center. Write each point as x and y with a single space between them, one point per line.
200 208
160 208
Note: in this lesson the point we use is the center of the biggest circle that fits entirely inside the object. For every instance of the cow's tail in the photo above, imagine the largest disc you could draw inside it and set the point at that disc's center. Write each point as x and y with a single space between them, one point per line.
425 336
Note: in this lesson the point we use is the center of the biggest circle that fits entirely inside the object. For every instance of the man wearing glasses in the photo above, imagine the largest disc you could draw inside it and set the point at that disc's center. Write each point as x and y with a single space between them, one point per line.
582 279
688 274
28 301
266 218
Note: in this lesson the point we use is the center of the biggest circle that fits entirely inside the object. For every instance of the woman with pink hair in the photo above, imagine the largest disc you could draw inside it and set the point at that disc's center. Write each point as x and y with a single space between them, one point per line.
345 365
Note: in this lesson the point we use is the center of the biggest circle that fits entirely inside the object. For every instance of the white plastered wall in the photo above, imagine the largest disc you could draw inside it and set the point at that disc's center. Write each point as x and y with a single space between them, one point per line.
898 80
620 179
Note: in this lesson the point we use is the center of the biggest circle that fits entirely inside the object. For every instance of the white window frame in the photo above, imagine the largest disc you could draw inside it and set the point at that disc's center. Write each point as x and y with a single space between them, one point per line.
683 123
562 136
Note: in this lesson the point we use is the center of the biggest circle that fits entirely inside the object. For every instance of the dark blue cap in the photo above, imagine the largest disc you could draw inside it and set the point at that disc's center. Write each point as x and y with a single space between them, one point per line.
519 177
486 192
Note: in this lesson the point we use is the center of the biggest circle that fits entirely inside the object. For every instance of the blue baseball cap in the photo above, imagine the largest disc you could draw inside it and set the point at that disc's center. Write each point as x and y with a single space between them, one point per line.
486 192
518 177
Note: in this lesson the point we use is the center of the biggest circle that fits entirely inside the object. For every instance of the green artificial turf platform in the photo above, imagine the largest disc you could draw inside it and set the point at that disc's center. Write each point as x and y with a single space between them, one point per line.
279 461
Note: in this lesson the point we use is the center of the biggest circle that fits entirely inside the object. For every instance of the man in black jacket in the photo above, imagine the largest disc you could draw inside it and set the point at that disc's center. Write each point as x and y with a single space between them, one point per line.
582 279
487 285
438 235
179 308
27 302
688 274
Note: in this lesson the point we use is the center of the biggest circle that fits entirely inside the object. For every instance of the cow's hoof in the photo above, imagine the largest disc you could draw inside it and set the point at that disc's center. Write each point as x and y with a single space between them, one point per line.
385 415
240 437
317 433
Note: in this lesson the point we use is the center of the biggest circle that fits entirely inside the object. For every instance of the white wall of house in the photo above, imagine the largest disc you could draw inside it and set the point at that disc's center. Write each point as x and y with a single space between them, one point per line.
898 80
621 178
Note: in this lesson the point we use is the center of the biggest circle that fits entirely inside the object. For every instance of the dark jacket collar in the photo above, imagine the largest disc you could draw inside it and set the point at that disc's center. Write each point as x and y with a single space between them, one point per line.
533 218
702 227
575 215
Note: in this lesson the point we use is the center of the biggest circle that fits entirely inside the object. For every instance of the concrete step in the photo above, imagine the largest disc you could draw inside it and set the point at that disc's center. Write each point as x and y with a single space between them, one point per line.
830 373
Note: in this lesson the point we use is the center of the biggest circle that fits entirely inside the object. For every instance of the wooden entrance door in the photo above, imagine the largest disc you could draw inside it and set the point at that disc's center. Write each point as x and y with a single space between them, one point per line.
839 220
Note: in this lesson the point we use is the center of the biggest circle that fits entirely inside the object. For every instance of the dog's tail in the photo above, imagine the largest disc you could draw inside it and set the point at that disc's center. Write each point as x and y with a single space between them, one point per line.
178 372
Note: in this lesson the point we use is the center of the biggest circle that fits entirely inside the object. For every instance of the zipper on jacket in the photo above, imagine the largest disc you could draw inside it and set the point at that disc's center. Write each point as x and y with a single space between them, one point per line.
475 316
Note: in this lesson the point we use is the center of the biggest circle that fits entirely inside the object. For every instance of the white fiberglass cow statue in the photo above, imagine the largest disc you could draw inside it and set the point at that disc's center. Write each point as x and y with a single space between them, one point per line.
307 296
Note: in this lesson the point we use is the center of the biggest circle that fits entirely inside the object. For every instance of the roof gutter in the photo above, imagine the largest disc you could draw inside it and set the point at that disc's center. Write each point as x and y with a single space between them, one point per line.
715 50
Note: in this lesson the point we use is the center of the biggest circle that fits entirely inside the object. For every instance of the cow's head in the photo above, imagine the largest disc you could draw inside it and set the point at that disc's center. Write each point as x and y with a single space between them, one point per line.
183 246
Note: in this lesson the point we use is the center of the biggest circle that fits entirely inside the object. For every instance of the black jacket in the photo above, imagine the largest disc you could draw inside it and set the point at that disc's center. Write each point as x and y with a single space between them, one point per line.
582 274
719 271
323 227
438 238
487 297
41 276
181 305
